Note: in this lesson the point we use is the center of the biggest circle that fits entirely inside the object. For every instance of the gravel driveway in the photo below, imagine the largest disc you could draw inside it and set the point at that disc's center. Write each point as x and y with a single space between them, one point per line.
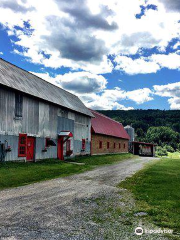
72 207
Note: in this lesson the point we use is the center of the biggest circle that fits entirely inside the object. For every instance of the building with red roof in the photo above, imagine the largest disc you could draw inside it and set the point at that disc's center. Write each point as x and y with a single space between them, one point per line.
107 135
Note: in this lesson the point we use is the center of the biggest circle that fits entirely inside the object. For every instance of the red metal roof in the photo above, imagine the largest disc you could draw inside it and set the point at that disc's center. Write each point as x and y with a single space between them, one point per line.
107 126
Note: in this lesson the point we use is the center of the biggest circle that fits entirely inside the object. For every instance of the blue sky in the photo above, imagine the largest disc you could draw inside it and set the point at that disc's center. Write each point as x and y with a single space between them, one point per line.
112 54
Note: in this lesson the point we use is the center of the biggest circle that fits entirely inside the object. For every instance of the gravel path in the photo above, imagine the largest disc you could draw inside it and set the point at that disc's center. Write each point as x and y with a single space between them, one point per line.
75 207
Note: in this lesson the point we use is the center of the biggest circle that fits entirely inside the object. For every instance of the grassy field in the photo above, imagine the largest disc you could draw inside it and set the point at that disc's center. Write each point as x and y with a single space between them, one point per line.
175 155
157 192
13 174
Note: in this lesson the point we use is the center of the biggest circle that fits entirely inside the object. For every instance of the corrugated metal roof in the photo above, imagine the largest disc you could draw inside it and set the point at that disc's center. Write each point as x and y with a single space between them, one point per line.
21 80
107 126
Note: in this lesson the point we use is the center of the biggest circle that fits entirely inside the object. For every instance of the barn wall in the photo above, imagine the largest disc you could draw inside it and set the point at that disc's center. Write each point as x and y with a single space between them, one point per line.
41 120
96 138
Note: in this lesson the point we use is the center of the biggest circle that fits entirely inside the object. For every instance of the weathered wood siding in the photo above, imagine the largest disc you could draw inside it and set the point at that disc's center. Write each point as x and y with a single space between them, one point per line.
41 119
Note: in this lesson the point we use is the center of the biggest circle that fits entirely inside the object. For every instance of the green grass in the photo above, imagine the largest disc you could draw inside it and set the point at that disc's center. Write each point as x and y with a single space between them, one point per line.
102 159
157 191
175 155
13 174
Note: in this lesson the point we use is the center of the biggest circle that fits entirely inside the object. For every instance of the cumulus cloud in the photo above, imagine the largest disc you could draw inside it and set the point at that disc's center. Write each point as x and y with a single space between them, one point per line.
173 5
96 37
82 34
16 6
140 96
137 66
77 82
91 89
83 82
170 61
84 18
151 64
171 91
174 103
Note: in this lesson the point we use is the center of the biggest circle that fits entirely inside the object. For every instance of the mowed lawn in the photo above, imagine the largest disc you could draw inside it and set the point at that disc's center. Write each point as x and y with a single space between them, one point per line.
13 174
157 191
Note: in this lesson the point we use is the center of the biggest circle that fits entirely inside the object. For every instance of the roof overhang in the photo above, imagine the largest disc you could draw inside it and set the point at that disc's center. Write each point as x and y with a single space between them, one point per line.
65 134
144 143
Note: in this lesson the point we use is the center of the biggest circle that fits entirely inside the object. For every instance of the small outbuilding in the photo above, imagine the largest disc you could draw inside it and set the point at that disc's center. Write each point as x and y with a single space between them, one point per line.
107 135
143 149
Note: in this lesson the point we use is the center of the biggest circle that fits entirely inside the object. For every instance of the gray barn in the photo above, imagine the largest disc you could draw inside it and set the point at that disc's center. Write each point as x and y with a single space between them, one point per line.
39 120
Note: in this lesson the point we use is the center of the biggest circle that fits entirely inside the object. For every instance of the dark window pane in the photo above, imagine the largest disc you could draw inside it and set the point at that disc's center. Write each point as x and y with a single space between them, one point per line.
18 104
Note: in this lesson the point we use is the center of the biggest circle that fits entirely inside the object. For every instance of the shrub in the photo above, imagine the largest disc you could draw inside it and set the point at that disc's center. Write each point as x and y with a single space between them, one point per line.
169 148
161 151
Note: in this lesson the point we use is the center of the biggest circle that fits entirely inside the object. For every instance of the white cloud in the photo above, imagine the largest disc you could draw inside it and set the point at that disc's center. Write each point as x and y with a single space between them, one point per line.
102 102
140 96
174 103
82 34
137 66
170 61
77 82
1 53
149 64
91 89
172 91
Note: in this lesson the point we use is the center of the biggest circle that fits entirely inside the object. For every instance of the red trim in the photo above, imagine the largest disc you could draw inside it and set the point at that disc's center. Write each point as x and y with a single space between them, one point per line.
107 145
22 145
30 149
70 134
60 148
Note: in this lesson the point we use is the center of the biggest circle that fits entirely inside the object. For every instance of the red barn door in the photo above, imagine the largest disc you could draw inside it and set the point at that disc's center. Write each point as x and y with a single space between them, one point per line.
30 148
60 148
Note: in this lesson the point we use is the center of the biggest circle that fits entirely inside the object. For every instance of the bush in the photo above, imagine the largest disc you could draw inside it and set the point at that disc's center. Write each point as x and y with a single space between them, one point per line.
178 147
169 148
161 151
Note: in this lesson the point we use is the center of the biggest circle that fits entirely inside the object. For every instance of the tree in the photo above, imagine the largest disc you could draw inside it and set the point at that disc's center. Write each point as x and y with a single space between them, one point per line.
163 136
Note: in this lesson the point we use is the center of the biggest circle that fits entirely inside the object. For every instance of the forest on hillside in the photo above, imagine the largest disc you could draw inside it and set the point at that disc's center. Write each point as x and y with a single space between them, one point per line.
158 126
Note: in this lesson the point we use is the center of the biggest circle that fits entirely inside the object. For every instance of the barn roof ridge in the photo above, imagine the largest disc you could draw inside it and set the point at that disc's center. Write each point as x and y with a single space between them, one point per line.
36 76
22 80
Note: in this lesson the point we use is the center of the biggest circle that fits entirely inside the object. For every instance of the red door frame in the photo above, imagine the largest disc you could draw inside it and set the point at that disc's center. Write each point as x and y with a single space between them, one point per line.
60 148
30 149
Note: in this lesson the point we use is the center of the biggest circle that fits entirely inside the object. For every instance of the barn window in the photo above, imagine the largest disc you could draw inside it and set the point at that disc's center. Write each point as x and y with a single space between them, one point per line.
119 145
124 145
100 144
18 105
107 145
47 142
83 144
22 145
114 145
68 145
